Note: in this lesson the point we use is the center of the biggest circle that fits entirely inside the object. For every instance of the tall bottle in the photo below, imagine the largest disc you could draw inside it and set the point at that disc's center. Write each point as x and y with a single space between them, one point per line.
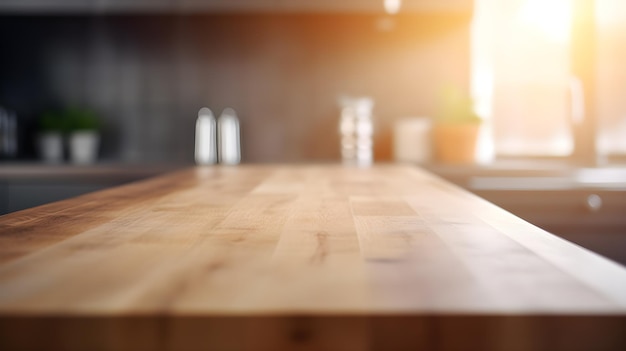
206 134
228 137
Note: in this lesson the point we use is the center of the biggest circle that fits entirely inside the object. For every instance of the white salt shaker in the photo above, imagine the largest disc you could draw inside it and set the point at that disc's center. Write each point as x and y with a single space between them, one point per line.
206 134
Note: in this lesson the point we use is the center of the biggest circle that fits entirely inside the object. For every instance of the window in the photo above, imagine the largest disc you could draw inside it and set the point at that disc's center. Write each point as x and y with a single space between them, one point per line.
611 76
522 81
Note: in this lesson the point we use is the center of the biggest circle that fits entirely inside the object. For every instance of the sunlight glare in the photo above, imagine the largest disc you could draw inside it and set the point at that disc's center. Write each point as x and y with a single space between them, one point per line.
552 17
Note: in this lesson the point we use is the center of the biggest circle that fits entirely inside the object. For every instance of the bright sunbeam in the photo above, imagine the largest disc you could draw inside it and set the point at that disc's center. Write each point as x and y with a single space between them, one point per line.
551 17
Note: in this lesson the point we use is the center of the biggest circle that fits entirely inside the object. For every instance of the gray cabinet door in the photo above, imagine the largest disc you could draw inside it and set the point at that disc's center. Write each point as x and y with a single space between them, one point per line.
21 196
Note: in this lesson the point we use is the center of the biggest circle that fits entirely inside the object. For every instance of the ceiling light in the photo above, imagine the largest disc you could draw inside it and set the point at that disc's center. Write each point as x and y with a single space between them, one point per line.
392 6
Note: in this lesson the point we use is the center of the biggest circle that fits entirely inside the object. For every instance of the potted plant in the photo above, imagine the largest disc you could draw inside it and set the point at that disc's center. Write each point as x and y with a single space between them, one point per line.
456 128
83 135
50 137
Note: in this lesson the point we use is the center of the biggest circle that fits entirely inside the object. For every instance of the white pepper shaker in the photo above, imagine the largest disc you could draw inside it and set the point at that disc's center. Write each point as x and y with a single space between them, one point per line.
206 134
228 137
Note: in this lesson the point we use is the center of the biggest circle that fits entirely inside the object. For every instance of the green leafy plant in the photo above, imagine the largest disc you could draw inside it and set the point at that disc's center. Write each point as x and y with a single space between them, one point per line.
52 122
80 119
456 107
69 120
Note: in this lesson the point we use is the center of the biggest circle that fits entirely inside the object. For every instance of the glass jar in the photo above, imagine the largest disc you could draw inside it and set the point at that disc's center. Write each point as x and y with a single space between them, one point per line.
356 129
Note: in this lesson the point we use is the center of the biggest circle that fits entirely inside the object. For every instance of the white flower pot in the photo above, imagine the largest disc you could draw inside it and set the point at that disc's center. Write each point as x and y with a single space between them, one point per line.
51 147
84 147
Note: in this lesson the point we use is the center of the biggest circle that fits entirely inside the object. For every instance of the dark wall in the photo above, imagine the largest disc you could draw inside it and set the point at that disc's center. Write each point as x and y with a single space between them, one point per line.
148 75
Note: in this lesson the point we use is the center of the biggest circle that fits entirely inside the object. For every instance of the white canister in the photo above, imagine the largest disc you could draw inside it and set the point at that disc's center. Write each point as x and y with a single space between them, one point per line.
412 140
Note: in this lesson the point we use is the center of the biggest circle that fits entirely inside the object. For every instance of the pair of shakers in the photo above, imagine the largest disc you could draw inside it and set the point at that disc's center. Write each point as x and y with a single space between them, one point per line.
217 140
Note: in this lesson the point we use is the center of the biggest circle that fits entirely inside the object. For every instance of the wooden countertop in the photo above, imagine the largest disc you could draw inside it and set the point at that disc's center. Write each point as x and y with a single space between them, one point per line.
297 245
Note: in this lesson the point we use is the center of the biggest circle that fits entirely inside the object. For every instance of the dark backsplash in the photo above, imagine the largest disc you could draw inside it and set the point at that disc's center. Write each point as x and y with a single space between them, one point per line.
147 76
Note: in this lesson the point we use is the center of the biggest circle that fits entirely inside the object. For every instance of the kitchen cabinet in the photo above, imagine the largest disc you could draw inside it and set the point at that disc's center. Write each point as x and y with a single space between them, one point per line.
19 195
26 186
193 6
116 6
585 206
47 5
277 257
592 218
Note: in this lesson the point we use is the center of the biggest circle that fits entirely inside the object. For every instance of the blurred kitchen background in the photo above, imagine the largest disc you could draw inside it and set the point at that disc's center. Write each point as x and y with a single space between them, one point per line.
546 77
147 67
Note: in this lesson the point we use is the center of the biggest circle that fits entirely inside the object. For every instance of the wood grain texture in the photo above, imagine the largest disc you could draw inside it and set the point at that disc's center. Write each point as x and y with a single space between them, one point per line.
307 257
